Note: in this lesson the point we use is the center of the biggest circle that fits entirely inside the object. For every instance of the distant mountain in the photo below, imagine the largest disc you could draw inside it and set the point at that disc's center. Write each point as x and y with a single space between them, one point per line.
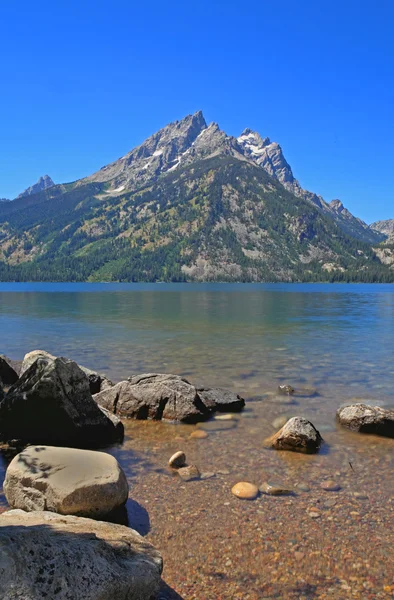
385 227
5 200
189 204
44 183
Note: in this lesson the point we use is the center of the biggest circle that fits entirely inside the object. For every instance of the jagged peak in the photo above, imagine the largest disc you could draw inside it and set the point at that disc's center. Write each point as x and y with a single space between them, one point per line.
43 183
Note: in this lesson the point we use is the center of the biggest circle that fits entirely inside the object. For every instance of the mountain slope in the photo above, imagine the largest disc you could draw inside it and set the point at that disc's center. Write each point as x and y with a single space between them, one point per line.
190 203
385 227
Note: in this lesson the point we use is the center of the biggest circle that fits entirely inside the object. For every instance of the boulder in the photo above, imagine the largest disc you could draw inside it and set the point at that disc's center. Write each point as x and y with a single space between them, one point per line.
154 396
45 555
221 400
367 419
8 370
66 481
298 435
97 381
51 404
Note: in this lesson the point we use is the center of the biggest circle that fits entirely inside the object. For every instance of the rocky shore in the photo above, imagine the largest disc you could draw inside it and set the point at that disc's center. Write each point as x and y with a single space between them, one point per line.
165 436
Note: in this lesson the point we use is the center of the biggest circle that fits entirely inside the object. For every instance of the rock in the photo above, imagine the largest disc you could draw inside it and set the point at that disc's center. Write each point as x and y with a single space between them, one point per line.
8 374
119 427
66 481
274 489
177 460
286 389
303 487
97 382
208 475
51 404
154 396
245 490
45 555
330 486
367 419
1 391
221 400
199 434
280 421
225 417
298 435
189 473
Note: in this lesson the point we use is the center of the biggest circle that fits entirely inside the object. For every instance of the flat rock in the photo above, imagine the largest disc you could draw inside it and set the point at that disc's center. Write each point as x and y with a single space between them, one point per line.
286 389
51 404
367 419
66 481
198 434
245 490
298 435
45 555
330 486
221 400
155 396
8 372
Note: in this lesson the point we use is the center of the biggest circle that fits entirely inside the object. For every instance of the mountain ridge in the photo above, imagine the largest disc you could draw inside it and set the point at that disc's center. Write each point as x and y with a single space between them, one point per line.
189 203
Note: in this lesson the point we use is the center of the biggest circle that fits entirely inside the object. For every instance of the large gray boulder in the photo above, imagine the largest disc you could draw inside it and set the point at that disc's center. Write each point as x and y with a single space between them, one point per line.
297 435
367 419
45 555
154 396
8 370
66 481
51 404
221 400
97 381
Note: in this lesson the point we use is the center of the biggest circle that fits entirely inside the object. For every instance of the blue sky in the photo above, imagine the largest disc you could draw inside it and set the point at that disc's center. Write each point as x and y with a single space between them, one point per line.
81 83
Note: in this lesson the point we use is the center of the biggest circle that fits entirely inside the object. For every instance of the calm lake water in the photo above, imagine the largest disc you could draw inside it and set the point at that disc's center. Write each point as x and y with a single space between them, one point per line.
339 338
333 343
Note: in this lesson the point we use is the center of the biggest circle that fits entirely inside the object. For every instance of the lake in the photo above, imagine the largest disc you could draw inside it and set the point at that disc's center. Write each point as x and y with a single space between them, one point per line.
332 343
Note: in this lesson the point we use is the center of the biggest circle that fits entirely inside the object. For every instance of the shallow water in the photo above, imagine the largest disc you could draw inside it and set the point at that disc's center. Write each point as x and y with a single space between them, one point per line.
337 340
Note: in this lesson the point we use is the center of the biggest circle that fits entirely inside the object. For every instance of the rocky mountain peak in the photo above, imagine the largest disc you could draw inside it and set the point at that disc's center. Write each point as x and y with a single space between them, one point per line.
337 206
43 183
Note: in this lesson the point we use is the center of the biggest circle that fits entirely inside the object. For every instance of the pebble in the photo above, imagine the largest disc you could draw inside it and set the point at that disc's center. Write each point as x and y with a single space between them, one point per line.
303 487
360 496
329 503
189 473
223 472
199 434
313 514
245 490
286 389
177 460
274 489
299 555
330 486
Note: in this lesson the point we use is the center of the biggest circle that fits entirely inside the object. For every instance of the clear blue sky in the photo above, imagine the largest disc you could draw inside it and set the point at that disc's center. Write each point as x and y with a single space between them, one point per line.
82 82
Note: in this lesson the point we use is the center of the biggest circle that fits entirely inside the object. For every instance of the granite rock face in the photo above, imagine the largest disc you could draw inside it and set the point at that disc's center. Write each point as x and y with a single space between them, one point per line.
384 227
45 555
66 481
8 370
367 419
97 381
51 404
297 435
221 400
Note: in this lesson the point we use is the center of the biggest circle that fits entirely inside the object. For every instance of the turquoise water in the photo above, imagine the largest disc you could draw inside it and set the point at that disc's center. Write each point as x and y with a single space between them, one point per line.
339 338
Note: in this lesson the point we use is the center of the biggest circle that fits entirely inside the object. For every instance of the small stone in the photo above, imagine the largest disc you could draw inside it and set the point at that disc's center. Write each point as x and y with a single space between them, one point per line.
303 487
279 422
223 472
286 389
314 515
360 496
189 473
199 434
274 489
329 503
207 475
177 460
330 486
299 555
245 490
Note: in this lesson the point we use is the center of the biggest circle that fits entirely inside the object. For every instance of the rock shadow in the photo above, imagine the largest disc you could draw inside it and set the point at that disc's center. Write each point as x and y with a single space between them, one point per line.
167 593
132 515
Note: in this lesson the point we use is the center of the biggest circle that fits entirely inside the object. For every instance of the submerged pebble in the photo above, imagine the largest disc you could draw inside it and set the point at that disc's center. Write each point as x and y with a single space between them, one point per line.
245 490
189 473
330 486
199 434
274 489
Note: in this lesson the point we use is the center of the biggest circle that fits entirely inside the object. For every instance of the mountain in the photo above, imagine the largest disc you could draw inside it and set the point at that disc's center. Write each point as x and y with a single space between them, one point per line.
269 155
385 228
5 200
190 203
44 183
